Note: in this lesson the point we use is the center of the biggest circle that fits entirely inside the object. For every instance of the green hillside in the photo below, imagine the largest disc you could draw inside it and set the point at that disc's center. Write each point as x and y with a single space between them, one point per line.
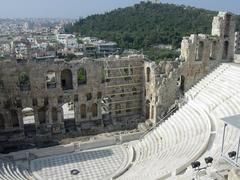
146 24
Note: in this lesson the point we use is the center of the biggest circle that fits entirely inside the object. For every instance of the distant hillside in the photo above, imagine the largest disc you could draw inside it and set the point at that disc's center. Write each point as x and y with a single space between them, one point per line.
145 24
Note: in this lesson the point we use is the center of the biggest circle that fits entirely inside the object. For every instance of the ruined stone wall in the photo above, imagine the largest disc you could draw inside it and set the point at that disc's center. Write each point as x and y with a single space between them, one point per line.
224 27
86 85
106 94
124 92
237 48
200 54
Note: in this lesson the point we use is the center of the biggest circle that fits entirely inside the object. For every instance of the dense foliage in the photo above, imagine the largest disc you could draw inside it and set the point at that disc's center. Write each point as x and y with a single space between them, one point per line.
146 24
163 54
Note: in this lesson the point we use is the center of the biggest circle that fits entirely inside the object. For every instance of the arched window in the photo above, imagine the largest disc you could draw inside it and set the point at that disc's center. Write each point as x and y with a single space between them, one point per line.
89 96
82 76
51 80
66 79
94 110
83 111
152 113
148 74
15 120
182 84
2 122
213 52
68 110
99 95
200 51
54 115
24 81
225 50
28 116
126 71
42 115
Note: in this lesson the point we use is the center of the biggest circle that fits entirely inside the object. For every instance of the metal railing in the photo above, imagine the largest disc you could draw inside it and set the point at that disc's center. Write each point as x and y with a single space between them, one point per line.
159 123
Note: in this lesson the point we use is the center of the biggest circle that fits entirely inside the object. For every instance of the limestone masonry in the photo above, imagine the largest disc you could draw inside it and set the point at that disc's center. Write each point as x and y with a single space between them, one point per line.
42 100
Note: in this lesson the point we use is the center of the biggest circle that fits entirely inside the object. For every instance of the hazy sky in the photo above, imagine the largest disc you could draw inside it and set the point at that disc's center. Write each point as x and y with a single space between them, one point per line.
77 8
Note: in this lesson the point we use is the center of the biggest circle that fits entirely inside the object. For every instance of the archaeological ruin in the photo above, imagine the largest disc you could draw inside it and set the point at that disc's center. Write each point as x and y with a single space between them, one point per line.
102 95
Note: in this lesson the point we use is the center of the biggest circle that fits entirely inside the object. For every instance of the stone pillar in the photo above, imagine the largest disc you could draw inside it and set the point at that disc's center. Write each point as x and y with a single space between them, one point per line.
60 115
58 79
48 115
35 112
8 120
20 119
77 114
50 120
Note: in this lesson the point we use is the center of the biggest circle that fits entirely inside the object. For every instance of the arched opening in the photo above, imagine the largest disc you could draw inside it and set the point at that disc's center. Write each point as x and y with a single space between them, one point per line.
54 115
148 74
182 84
69 116
82 76
152 113
28 116
147 108
200 51
105 105
213 52
94 110
2 122
68 110
126 71
51 80
14 117
225 50
29 122
66 79
89 96
99 95
83 111
24 81
42 115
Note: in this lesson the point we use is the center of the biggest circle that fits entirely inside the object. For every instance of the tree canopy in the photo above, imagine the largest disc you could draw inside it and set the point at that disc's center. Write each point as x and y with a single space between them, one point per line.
146 24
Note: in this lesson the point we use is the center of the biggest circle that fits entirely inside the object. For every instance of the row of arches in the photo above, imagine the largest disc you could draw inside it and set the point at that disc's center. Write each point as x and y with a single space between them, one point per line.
29 116
213 51
51 80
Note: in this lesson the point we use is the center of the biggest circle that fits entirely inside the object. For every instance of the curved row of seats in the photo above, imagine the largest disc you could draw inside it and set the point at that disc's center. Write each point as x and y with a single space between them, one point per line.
191 93
221 98
172 146
185 136
10 171
229 108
